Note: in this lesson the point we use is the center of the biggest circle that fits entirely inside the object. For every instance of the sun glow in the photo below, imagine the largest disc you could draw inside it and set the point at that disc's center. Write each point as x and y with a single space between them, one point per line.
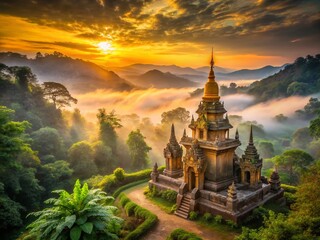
105 47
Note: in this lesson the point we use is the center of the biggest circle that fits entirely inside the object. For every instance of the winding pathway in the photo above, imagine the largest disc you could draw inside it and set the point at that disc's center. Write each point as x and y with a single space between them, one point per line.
168 222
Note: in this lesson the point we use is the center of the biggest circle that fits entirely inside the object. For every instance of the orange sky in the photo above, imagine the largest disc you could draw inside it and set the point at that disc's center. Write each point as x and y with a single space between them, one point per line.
244 34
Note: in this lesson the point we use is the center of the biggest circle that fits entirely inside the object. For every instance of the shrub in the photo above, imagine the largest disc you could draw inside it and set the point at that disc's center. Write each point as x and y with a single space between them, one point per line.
193 215
181 234
169 195
289 188
231 224
218 219
129 208
123 199
119 174
173 208
129 185
290 198
150 219
208 217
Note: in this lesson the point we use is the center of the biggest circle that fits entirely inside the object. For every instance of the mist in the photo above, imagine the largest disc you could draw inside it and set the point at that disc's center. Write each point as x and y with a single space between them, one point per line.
134 106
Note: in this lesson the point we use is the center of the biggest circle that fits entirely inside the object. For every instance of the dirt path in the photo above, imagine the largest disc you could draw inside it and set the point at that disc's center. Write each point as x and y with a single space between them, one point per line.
168 222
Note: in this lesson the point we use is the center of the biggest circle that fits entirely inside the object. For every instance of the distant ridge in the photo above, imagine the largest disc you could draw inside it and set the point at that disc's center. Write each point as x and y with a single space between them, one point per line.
77 75
158 79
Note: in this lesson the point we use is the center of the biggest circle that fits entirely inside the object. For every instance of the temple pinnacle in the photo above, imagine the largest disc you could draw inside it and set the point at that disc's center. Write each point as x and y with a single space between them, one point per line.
184 133
211 62
251 136
237 134
173 135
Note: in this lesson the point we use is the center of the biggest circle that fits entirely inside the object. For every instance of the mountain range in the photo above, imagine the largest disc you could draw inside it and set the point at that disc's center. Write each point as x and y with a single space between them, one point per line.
77 75
81 76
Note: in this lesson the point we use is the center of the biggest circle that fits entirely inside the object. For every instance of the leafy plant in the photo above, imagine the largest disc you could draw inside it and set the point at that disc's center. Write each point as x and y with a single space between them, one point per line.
119 174
218 219
80 215
193 215
208 217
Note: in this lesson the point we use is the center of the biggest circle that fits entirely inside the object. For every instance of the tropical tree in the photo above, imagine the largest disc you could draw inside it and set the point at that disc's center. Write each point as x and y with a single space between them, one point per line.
81 159
138 149
178 115
58 94
108 123
293 162
82 214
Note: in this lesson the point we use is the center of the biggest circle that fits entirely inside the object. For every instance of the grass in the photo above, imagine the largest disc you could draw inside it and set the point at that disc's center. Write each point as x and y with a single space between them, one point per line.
164 204
219 227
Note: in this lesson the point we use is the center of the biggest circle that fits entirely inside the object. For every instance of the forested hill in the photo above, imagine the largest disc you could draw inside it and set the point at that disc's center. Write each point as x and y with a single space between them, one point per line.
77 75
300 78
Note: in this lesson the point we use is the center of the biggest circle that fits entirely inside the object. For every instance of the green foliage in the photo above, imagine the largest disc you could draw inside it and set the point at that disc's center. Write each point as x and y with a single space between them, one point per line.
53 143
80 157
109 183
78 126
218 219
119 174
265 149
315 127
149 218
302 222
300 78
301 138
80 214
181 234
208 217
138 149
293 162
169 195
193 215
310 110
129 208
123 199
178 115
58 94
257 217
289 188
103 157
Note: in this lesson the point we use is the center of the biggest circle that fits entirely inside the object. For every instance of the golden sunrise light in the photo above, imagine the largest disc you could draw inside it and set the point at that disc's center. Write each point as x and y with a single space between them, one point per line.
159 114
105 47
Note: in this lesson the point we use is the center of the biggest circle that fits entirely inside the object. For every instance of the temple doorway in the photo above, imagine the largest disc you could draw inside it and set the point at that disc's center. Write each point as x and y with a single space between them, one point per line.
247 176
192 179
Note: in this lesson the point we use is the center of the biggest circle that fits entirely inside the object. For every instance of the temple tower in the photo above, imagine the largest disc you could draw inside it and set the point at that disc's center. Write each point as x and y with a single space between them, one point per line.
211 130
173 156
250 165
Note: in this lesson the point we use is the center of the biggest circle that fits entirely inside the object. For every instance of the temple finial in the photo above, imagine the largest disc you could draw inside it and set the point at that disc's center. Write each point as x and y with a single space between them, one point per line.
173 135
211 62
237 134
192 120
251 136
184 133
211 74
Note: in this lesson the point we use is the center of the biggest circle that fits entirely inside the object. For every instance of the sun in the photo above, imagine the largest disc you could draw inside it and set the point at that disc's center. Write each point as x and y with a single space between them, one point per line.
105 47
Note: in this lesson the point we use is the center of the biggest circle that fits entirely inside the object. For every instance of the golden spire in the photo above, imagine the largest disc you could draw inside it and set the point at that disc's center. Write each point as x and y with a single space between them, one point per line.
211 89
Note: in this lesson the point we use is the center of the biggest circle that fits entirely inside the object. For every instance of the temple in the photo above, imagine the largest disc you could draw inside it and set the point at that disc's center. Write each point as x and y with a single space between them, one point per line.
210 177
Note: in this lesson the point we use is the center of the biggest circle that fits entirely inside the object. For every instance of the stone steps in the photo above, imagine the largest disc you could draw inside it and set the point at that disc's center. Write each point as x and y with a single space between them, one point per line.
184 208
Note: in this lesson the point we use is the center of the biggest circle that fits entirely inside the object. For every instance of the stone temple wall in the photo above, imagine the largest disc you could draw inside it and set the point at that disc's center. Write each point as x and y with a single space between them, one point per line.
165 183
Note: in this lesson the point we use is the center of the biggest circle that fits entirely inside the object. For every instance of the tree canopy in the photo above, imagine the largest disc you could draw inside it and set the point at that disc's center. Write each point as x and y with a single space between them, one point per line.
58 94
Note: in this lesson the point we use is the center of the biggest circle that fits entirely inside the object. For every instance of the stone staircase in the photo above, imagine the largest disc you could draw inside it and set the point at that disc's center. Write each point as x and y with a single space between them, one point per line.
183 210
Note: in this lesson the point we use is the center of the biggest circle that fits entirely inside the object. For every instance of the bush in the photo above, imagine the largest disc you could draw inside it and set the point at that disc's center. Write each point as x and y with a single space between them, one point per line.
129 208
231 224
123 199
193 215
289 188
208 217
174 208
169 195
290 198
110 183
181 234
218 219
119 174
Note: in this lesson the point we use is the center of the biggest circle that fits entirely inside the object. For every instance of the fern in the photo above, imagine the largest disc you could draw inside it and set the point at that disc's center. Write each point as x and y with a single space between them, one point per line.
80 215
